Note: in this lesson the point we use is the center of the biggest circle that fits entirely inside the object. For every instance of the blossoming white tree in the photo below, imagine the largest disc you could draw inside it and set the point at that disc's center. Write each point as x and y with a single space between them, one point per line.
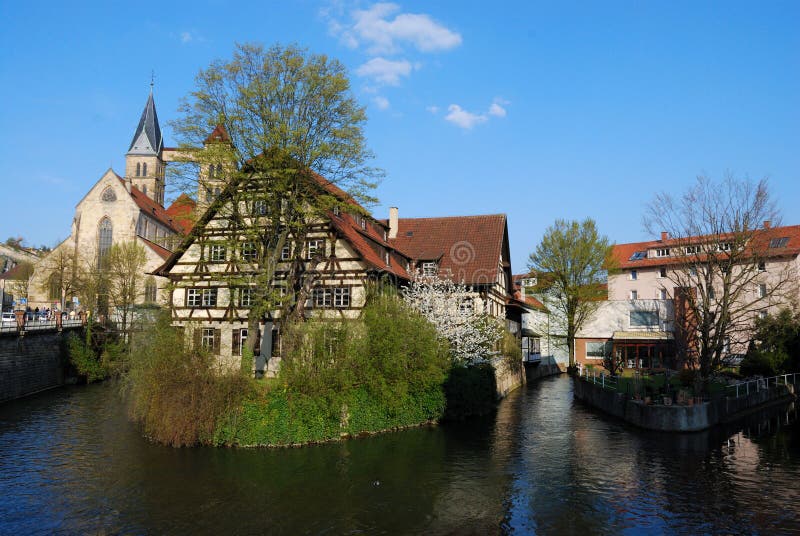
450 307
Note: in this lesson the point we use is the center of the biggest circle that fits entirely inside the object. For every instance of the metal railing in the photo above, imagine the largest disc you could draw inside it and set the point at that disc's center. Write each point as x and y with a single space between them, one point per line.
606 382
760 384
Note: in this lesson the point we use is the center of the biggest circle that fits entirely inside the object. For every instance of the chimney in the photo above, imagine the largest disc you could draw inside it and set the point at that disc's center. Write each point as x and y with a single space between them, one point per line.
393 222
767 224
664 236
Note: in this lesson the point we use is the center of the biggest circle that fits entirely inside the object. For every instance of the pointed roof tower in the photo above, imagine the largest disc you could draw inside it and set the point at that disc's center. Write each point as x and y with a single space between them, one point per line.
147 138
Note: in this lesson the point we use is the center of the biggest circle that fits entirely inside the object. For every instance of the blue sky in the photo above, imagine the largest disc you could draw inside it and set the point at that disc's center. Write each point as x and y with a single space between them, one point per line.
537 110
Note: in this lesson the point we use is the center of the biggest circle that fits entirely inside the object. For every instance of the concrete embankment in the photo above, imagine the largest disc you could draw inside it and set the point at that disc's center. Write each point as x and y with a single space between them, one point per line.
677 418
31 363
509 377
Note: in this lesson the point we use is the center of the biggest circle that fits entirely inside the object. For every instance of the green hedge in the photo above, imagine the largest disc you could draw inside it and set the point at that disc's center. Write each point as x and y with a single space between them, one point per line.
284 418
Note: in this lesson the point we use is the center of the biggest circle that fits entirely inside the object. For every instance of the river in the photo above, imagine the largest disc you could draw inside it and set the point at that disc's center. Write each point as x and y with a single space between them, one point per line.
544 464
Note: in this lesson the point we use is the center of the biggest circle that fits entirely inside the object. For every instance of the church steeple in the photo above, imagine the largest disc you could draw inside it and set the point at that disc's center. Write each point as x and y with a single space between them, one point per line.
147 138
144 164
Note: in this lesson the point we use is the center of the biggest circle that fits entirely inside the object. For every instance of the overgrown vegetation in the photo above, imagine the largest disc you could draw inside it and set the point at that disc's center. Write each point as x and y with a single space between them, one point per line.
776 349
347 377
177 393
97 355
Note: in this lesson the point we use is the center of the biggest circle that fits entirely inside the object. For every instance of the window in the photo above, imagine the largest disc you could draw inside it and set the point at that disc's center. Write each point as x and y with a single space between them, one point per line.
238 340
662 252
634 295
315 247
724 246
693 270
762 315
711 293
466 307
138 169
209 197
105 235
429 268
644 319
54 288
216 192
662 272
246 297
762 266
209 339
726 345
286 253
341 297
150 290
762 290
211 171
144 169
219 171
217 253
259 207
779 242
201 297
638 255
249 251
386 258
322 297
692 250
364 223
335 211
634 275
662 294
108 195
598 349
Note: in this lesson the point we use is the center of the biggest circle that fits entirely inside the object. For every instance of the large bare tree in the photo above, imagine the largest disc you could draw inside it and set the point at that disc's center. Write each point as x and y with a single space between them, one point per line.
723 257
287 118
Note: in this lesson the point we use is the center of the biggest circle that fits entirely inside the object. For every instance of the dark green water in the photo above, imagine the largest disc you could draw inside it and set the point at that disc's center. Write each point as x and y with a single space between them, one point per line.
70 463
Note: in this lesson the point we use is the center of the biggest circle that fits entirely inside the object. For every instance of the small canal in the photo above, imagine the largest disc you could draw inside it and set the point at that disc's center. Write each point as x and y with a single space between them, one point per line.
71 463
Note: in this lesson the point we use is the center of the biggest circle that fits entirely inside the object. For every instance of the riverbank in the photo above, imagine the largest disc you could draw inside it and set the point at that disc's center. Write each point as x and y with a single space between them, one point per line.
678 418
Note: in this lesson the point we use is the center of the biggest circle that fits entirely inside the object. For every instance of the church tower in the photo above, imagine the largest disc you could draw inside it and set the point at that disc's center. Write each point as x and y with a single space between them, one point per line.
144 165
213 176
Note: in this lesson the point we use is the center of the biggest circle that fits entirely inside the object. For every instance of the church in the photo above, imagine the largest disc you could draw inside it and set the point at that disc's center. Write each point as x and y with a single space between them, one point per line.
119 209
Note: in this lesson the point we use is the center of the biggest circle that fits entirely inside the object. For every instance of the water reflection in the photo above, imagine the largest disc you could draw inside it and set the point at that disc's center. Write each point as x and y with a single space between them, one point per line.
70 462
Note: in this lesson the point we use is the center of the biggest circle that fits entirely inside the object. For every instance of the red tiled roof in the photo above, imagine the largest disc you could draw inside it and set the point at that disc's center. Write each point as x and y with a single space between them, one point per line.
152 209
360 239
182 211
469 248
530 301
20 272
162 252
217 135
760 242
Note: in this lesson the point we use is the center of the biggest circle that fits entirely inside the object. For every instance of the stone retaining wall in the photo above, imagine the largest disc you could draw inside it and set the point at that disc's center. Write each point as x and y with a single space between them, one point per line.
676 418
31 363
546 367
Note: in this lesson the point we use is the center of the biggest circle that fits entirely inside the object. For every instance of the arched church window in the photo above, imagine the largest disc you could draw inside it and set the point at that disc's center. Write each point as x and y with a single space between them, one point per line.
144 169
219 171
211 171
54 288
108 195
150 290
208 195
216 192
138 169
105 234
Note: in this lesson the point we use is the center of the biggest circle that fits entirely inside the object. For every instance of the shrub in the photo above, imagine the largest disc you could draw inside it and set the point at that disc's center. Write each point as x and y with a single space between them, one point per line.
470 391
84 358
176 393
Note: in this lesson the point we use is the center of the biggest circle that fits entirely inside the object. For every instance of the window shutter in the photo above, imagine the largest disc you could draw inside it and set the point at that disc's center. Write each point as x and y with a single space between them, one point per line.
217 338
235 341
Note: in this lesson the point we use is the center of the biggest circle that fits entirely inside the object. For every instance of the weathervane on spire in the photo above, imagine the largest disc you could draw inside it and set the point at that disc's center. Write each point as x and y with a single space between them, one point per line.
152 80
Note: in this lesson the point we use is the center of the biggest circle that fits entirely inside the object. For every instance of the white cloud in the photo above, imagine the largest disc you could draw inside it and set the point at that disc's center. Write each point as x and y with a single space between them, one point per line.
381 102
373 28
497 109
385 71
186 37
433 109
462 118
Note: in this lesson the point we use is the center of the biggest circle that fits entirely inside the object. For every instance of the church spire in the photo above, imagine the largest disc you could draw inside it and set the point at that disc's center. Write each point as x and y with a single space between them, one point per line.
147 138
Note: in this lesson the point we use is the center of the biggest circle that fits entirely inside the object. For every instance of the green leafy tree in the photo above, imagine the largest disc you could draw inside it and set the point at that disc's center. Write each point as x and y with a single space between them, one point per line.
776 345
290 119
572 263
124 276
